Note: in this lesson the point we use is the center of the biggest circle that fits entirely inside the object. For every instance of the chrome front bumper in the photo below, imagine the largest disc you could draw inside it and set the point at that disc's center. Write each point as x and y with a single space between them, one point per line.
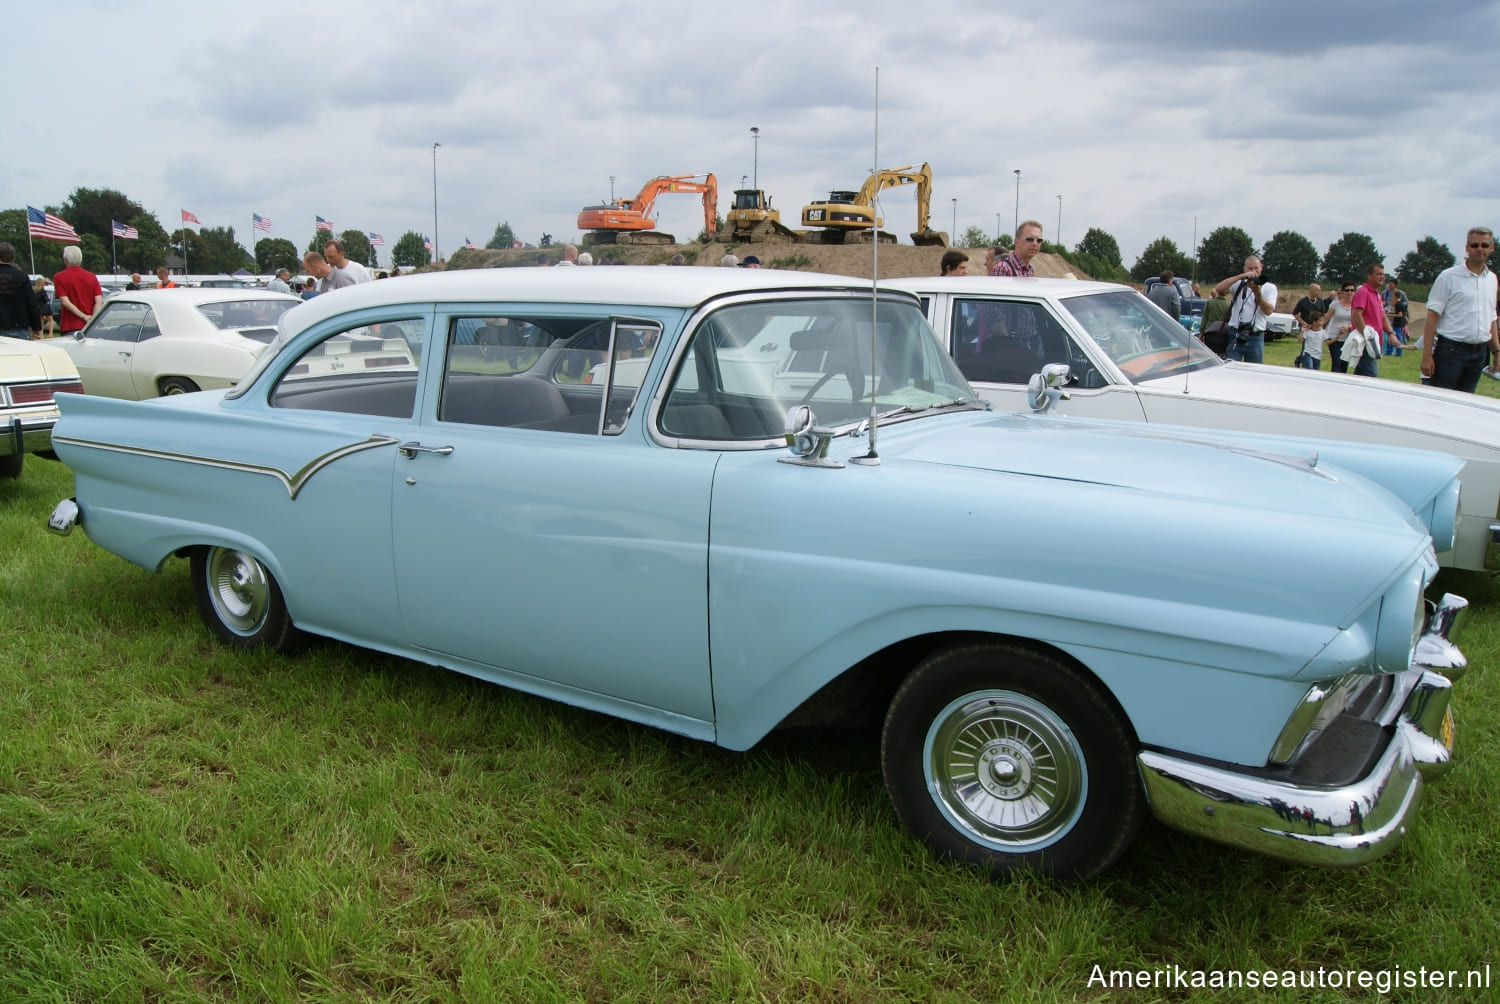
1346 825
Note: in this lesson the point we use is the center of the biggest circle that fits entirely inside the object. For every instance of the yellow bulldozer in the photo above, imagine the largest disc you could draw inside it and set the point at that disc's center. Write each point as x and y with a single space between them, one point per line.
751 220
846 217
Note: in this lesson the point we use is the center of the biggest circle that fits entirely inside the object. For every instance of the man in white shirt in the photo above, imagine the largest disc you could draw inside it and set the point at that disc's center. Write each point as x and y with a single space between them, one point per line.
333 251
1461 332
1250 306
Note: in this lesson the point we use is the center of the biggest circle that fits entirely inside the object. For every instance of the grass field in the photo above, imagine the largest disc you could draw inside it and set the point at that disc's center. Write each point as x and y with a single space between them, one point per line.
182 823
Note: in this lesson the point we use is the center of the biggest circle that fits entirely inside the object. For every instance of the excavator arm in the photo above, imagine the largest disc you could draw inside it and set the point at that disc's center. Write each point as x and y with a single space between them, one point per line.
635 214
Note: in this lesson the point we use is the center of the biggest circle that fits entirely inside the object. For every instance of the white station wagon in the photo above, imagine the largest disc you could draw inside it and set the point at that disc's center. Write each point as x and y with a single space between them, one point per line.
1126 360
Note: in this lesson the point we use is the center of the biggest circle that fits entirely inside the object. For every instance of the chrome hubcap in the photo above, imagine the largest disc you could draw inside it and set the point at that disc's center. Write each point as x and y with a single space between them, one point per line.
239 589
1005 769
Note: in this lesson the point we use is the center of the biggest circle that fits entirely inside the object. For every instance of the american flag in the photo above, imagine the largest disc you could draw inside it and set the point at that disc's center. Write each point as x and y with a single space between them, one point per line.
48 227
470 245
259 222
121 230
427 243
188 217
323 224
377 241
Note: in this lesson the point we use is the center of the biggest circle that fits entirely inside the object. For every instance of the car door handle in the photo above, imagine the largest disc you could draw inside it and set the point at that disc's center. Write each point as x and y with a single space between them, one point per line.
409 450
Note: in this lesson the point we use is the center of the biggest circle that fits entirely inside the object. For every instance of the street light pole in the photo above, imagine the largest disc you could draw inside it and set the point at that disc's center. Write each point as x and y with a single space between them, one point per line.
954 235
436 256
997 228
611 188
755 163
1195 249
1059 219
1017 225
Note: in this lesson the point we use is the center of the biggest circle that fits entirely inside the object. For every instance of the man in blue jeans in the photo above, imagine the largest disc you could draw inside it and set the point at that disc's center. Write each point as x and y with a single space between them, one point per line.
1461 336
1251 304
19 315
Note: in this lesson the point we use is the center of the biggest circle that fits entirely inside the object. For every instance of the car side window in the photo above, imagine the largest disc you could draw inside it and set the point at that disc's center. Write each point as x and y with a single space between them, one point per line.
544 373
365 370
1006 341
120 322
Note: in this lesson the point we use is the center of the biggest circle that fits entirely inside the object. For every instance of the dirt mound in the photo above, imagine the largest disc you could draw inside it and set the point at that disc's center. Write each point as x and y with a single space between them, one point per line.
895 260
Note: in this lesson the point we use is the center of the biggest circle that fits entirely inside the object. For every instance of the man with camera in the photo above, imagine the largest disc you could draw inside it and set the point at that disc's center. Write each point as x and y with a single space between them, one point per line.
1252 301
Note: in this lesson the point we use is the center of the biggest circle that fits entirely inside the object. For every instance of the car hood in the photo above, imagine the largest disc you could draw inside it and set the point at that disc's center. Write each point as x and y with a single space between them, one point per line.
1235 470
1445 415
20 360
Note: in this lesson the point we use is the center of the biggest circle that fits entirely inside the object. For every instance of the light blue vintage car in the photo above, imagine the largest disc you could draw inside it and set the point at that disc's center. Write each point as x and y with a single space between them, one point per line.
720 501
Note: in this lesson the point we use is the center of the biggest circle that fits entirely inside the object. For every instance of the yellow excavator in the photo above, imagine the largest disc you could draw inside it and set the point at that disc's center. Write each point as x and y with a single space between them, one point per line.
850 216
751 220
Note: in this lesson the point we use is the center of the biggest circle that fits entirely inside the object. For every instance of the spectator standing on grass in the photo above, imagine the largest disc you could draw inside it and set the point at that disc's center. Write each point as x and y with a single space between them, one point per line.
570 256
329 278
1252 301
1018 262
333 253
308 290
164 278
78 291
19 316
1336 324
954 263
45 307
729 261
585 259
1397 309
1310 307
1164 294
1366 311
1460 334
278 283
135 281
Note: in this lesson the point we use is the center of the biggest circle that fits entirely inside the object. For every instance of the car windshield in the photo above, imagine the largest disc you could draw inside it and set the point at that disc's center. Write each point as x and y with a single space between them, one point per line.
747 364
1142 341
252 318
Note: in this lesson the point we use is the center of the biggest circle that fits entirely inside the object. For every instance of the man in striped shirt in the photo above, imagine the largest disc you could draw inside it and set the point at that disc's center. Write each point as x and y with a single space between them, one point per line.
1028 243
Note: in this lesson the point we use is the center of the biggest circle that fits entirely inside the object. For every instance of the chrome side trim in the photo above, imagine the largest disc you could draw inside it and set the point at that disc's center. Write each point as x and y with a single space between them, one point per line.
293 482
1348 825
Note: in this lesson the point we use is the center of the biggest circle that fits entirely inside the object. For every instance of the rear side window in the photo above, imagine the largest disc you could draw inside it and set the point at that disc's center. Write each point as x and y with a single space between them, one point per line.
252 318
366 370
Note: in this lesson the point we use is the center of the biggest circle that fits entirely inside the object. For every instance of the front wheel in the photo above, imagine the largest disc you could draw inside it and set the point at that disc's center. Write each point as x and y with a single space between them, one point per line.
1010 759
240 601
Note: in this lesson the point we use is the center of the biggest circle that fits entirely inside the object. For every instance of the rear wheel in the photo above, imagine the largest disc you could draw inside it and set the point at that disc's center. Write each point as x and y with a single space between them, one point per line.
178 385
1011 759
10 467
240 601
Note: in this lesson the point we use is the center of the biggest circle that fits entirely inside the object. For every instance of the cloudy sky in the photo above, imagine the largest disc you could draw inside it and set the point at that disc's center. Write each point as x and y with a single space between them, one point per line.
1378 117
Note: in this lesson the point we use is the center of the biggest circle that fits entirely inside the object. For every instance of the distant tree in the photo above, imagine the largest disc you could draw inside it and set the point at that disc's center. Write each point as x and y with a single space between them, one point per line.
1223 253
1098 244
225 253
1426 262
95 253
1348 257
1160 254
504 237
188 244
1097 268
974 238
91 210
48 253
272 253
1289 259
320 238
148 251
357 247
409 252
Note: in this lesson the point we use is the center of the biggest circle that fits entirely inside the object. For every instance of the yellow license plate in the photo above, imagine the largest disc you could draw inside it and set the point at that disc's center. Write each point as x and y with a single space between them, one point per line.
1447 730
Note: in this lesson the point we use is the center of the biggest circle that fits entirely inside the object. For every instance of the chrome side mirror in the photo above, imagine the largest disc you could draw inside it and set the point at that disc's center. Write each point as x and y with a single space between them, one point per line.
807 441
1046 388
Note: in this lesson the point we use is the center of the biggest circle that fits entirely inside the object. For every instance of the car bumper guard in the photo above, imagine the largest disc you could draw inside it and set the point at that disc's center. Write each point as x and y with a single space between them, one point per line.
1345 825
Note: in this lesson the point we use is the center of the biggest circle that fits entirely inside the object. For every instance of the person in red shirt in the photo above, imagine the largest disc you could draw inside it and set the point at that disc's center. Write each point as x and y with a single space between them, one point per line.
78 292
1368 309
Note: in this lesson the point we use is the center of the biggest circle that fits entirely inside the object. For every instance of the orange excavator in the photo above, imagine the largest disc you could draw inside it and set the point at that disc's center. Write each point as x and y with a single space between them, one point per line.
628 221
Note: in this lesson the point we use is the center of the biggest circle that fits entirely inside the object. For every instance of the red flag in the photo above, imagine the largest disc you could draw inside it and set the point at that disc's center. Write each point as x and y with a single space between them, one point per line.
188 217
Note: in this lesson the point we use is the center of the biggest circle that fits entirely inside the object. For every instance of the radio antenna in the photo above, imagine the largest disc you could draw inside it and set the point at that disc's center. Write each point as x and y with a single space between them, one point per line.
872 458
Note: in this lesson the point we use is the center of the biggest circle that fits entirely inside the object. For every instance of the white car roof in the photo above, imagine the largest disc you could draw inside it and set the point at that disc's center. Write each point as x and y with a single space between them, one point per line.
177 304
646 285
995 285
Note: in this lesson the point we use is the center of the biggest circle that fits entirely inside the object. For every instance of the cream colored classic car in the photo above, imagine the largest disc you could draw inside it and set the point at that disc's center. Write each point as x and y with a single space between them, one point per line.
30 373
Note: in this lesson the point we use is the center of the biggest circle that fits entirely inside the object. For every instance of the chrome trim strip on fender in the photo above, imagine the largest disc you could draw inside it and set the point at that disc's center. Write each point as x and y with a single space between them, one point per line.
293 483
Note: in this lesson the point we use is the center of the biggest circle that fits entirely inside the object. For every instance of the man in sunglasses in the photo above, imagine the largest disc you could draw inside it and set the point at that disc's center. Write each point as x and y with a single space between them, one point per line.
1028 243
1461 336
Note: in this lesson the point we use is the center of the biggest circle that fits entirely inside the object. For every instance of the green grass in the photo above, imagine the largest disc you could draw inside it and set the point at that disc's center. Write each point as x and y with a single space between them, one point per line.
179 822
